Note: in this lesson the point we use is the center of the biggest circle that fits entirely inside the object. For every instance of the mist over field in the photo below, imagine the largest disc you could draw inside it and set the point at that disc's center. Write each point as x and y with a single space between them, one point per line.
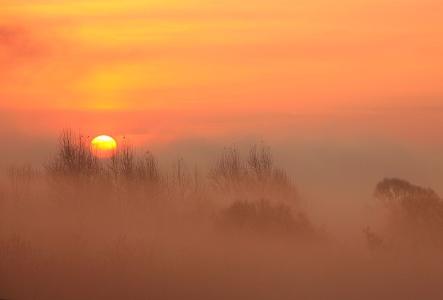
201 149
335 160
218 222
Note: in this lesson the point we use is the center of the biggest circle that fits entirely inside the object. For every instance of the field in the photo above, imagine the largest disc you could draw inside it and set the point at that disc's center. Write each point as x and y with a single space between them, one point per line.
84 228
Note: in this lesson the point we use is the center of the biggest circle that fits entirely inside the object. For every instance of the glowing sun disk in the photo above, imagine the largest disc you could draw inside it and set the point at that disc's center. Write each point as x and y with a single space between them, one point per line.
103 146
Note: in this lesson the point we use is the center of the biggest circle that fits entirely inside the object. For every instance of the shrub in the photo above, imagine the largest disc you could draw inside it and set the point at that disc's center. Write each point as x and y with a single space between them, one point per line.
134 173
257 171
373 240
73 158
263 217
147 169
229 169
260 162
415 213
410 202
123 163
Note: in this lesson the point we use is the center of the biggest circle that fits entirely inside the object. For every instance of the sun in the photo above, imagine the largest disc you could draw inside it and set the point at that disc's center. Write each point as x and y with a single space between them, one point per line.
103 146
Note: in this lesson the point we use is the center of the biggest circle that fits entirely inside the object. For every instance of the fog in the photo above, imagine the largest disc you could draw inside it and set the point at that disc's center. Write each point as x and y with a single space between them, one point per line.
196 219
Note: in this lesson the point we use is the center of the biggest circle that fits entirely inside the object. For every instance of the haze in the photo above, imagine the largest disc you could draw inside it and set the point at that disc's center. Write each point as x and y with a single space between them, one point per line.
344 93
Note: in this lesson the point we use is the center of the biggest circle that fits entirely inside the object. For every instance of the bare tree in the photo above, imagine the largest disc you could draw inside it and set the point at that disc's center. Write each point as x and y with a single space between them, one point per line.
229 168
73 158
260 162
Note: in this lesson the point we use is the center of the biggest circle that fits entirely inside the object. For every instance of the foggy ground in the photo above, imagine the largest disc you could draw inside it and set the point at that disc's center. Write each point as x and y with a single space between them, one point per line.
237 229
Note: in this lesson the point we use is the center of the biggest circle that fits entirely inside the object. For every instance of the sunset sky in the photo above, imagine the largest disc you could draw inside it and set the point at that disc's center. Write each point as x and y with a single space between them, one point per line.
168 69
350 87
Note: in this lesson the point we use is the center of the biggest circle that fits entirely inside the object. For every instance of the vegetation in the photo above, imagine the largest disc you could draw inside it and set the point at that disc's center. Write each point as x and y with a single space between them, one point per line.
148 232
73 159
414 213
264 218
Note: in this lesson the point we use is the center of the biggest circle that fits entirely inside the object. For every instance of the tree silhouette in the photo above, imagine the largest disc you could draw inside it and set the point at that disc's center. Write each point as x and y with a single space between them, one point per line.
415 212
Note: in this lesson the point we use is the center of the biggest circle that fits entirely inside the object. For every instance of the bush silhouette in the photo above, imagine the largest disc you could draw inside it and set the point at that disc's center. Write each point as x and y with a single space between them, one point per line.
415 213
409 201
73 158
255 174
263 217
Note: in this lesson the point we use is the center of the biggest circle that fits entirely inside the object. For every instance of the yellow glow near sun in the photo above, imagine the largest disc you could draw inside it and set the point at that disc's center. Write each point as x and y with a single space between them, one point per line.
104 146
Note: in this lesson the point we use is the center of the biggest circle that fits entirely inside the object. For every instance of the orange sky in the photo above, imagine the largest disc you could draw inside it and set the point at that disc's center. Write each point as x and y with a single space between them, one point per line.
199 61
346 92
